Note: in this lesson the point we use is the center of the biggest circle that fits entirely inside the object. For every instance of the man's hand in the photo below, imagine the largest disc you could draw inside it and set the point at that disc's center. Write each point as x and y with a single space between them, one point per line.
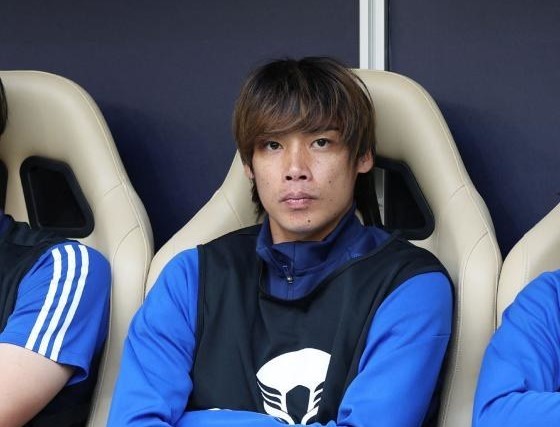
28 382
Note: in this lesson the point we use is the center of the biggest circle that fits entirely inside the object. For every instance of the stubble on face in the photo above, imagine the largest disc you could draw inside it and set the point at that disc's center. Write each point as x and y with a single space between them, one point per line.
306 183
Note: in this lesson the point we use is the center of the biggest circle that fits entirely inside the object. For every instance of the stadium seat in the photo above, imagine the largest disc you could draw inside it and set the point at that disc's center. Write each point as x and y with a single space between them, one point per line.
57 135
410 129
536 252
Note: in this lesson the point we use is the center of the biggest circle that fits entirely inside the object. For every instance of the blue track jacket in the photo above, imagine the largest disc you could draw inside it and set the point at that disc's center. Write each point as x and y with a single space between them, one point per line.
397 371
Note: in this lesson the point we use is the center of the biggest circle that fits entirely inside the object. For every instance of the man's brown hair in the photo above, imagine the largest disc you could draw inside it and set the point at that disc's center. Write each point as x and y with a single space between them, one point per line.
308 95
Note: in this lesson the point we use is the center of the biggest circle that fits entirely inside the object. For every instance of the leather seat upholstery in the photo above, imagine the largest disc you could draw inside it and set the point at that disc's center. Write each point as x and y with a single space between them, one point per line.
52 117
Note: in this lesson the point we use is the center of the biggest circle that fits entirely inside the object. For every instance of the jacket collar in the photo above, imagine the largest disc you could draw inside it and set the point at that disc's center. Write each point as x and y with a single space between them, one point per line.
305 257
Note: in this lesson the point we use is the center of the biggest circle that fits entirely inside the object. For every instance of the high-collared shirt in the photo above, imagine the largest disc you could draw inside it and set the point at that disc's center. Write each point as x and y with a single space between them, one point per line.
295 268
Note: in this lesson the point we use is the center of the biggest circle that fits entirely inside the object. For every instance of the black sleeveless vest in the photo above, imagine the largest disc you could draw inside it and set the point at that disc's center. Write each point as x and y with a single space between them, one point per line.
20 249
242 330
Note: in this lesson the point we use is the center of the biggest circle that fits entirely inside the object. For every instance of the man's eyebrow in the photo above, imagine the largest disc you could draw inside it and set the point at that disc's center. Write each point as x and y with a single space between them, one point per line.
326 129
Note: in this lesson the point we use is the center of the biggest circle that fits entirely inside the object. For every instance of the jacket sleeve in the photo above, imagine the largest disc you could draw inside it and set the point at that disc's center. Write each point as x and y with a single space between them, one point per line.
154 383
520 375
62 307
403 356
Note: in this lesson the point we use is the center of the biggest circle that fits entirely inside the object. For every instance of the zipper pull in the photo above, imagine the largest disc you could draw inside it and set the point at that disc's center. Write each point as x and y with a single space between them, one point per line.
289 277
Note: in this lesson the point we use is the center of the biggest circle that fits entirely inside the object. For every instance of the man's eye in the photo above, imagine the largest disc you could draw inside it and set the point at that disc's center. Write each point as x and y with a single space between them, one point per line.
272 145
321 142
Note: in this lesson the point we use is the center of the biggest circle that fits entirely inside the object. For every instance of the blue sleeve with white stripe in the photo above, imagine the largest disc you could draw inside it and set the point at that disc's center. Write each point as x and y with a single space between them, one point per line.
62 307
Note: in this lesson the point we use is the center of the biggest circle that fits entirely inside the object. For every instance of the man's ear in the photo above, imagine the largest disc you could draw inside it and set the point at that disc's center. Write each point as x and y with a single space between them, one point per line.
248 171
365 162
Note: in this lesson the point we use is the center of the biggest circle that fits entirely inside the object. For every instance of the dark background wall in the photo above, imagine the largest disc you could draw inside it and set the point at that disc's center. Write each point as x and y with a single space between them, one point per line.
166 74
493 67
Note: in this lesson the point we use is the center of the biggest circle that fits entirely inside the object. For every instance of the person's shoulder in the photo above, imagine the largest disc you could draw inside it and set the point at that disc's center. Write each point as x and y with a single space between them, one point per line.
70 261
182 259
76 250
181 268
396 249
376 233
234 236
392 239
544 289
536 305
432 285
549 280
177 283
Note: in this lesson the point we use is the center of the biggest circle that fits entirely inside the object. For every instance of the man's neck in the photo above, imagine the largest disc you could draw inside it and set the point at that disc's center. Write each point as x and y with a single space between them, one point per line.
294 269
308 254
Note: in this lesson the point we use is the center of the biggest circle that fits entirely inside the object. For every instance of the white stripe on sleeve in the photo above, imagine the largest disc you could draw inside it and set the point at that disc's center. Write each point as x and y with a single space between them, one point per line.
70 273
57 269
74 306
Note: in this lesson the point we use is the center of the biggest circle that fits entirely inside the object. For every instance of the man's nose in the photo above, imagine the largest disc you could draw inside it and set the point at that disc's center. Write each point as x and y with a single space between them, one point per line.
296 167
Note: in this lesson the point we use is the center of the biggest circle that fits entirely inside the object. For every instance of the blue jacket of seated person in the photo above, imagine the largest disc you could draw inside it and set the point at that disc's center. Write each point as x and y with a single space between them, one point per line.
519 383
403 353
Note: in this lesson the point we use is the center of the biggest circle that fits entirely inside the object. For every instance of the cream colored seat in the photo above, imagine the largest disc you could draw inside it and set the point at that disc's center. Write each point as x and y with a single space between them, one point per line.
536 252
410 129
52 117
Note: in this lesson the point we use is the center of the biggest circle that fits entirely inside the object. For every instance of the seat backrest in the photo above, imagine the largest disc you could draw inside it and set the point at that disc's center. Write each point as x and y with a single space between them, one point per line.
536 252
411 129
52 117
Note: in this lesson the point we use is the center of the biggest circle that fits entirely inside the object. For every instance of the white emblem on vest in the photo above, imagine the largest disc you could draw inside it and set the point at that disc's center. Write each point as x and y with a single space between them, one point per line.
276 378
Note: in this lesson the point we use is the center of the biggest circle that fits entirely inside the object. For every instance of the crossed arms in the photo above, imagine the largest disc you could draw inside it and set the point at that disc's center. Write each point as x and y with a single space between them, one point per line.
401 361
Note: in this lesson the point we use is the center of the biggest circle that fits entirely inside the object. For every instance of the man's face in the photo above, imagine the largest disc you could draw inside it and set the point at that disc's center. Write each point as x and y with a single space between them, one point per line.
305 182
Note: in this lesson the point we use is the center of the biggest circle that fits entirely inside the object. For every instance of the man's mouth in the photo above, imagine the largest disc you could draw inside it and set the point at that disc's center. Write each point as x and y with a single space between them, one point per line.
297 200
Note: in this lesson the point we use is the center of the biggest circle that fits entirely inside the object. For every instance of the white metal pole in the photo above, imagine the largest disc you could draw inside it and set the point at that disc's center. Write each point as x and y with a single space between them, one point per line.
372 34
